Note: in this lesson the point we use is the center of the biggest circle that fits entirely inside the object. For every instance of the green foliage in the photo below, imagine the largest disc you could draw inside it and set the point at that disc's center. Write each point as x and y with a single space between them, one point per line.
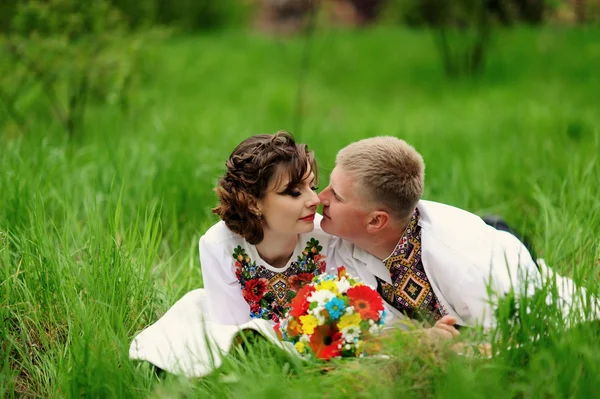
200 14
462 30
59 55
507 12
99 236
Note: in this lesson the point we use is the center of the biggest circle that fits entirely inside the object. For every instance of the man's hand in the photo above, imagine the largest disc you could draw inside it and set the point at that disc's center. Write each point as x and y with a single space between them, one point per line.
443 329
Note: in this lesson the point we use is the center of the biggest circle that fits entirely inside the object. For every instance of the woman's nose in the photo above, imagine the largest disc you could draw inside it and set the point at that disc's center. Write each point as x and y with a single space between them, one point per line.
314 199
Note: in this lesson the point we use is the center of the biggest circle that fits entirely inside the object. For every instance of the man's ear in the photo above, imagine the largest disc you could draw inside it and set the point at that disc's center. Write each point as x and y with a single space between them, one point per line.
378 220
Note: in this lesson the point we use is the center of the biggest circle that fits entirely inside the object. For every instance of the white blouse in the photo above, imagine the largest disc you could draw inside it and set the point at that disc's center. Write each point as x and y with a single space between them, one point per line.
241 286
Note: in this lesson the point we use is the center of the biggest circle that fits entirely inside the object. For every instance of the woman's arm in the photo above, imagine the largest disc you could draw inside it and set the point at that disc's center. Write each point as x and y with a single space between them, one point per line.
225 302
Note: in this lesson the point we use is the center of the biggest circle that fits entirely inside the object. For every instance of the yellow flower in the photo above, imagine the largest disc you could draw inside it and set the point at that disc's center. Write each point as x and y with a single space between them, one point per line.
309 323
349 320
327 285
300 346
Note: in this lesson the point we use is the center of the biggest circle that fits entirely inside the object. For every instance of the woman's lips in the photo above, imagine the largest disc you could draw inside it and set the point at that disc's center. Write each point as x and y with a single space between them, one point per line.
308 218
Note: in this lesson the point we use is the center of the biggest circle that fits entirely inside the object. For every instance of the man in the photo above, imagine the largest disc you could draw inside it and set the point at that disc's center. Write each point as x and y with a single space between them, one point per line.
428 260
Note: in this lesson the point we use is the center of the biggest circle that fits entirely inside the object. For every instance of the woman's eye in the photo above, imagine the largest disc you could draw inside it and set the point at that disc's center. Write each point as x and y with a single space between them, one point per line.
295 193
314 188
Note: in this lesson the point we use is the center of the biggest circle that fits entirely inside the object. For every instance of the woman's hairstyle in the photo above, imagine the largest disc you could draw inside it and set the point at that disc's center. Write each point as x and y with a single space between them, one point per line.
250 168
386 171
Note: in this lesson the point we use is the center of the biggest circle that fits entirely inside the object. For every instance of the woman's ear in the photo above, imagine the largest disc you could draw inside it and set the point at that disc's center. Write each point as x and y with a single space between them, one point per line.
378 220
255 207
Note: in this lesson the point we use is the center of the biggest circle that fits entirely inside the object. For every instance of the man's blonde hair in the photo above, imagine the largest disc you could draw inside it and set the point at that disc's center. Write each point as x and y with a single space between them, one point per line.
387 171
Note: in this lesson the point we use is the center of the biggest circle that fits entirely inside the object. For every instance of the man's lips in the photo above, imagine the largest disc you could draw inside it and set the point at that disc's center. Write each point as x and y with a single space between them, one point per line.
308 218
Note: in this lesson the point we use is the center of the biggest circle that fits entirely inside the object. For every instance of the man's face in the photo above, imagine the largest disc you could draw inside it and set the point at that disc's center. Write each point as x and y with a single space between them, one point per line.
344 214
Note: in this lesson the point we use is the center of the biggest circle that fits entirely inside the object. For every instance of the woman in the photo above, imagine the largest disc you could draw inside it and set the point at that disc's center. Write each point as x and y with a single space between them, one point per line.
269 241
267 245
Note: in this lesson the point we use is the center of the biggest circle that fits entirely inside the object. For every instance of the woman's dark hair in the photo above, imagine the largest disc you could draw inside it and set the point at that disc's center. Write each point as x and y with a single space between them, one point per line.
250 169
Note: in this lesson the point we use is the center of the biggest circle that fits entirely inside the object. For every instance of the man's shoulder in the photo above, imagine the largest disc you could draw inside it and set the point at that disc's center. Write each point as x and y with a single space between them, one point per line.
449 223
431 212
454 237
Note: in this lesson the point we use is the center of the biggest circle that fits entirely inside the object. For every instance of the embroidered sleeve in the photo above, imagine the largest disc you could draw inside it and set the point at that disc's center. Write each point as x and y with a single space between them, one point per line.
226 304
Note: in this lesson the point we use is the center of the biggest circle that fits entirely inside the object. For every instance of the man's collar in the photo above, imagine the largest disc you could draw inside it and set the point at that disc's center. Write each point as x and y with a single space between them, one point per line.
374 265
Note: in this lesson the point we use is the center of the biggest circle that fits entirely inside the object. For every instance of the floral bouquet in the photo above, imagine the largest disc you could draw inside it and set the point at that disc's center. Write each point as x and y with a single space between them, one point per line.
334 316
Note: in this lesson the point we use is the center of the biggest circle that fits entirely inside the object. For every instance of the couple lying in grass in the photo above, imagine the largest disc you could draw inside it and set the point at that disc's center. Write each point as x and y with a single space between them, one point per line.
432 262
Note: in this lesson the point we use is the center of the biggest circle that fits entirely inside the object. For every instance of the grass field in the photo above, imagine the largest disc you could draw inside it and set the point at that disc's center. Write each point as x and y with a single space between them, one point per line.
98 235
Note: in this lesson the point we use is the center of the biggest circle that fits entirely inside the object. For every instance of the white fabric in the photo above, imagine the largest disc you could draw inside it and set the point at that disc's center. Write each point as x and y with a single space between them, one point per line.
185 341
199 329
462 257
225 302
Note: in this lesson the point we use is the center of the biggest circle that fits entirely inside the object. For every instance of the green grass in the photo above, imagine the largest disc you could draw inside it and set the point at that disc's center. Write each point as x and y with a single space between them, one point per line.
98 236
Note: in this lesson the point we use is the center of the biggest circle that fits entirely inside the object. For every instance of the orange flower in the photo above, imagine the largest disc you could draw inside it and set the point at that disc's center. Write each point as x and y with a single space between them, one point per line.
326 342
366 301
294 328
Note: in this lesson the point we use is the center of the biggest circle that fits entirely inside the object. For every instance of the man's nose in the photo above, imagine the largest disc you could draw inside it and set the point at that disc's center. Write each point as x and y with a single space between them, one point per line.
324 195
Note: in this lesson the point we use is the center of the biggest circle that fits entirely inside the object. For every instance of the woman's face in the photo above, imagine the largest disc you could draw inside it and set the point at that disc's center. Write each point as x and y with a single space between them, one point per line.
289 210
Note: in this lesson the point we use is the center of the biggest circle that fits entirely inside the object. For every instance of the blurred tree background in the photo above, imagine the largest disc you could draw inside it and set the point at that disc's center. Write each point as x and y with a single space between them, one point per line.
58 56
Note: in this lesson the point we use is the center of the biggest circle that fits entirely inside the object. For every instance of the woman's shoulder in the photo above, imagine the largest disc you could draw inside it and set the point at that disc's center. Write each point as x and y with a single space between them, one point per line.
219 234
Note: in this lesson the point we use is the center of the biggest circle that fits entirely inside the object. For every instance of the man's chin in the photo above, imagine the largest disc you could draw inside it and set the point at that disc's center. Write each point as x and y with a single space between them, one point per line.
326 225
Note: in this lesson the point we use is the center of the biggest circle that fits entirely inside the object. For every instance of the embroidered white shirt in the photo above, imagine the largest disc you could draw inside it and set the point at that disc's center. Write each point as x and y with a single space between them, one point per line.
240 285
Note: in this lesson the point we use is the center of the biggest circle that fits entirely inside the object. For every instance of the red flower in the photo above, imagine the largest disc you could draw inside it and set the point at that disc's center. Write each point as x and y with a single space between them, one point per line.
322 266
255 307
366 301
300 302
277 329
254 289
341 271
298 281
326 342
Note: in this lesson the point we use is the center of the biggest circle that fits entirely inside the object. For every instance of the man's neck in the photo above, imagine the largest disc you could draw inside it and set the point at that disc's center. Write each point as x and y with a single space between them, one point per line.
276 249
383 244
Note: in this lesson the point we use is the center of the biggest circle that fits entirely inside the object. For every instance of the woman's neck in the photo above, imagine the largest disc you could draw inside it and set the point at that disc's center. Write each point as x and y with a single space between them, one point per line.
276 248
